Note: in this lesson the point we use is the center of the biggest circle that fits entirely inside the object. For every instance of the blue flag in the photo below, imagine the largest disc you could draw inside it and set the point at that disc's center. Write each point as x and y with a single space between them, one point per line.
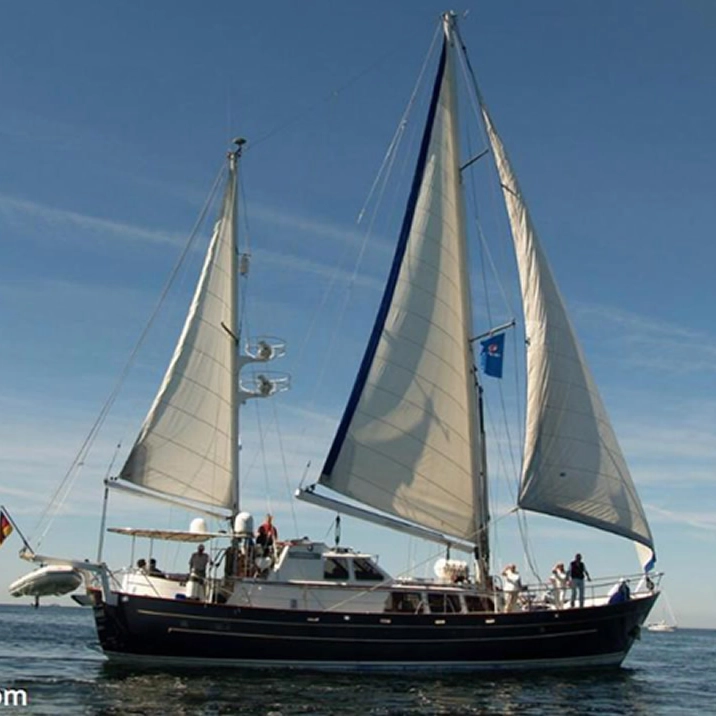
491 352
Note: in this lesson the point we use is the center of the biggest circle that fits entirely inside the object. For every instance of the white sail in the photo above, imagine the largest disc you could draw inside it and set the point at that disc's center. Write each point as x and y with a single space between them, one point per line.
573 466
186 447
409 443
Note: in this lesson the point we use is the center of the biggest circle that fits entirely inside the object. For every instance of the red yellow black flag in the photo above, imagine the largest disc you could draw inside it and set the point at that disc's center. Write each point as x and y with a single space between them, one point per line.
5 527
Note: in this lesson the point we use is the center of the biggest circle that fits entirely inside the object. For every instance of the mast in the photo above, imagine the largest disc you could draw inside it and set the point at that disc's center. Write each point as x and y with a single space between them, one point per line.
259 350
408 444
479 456
234 328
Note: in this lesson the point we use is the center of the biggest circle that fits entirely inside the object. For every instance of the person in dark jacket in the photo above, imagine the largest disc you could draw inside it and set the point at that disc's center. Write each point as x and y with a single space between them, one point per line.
577 573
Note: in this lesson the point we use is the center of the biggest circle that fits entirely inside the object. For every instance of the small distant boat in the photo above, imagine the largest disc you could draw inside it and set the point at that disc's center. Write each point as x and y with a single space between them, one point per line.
661 626
53 580
668 624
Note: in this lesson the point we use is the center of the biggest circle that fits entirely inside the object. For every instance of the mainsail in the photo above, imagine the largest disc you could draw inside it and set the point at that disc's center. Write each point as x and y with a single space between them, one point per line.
409 442
187 445
573 466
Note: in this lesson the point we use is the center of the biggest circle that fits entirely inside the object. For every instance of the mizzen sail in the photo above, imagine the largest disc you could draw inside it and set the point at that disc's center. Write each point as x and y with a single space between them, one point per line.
573 466
409 441
186 447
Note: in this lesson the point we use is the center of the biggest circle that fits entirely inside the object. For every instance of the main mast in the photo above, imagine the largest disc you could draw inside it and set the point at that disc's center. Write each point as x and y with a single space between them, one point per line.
408 444
478 458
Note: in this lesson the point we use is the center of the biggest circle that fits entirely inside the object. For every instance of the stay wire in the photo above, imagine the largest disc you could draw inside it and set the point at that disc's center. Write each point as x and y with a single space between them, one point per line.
59 496
333 95
478 102
379 185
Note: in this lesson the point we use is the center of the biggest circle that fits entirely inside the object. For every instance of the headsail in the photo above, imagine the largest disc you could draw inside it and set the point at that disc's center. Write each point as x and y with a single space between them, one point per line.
573 466
187 444
409 441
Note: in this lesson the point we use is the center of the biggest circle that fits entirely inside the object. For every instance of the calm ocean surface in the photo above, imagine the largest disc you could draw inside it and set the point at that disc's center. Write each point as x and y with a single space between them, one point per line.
53 655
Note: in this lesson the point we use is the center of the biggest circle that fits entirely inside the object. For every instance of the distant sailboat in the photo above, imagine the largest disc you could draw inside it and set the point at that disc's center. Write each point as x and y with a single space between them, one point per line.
410 449
666 624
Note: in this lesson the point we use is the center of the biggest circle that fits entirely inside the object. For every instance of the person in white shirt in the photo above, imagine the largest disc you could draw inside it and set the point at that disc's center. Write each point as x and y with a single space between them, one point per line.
558 581
512 586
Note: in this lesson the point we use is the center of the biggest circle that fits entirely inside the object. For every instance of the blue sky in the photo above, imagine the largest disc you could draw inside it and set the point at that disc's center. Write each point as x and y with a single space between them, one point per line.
114 121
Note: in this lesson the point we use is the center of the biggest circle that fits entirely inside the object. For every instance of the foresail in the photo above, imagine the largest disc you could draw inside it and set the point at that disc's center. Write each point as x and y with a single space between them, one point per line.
186 447
573 466
408 442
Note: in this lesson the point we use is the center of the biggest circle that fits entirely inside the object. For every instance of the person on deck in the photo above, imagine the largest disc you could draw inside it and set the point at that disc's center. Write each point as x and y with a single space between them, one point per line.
558 582
198 563
620 592
511 585
267 534
154 571
577 573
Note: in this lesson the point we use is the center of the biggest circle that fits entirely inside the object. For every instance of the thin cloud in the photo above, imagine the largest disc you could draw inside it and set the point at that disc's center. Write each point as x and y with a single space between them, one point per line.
700 520
279 217
653 344
17 210
316 268
58 220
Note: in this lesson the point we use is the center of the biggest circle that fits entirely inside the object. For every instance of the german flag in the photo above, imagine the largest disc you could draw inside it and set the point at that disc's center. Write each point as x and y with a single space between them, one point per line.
5 527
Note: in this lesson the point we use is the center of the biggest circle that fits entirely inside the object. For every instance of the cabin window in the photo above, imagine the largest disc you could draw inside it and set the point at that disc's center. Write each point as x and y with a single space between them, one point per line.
443 603
364 571
410 602
478 604
335 568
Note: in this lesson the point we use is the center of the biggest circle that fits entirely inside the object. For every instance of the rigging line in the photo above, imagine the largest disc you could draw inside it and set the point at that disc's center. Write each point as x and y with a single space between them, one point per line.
502 461
284 465
262 450
476 102
485 249
394 142
477 97
326 294
488 253
299 115
262 434
487 258
522 523
70 476
483 240
381 179
386 169
229 94
243 279
244 212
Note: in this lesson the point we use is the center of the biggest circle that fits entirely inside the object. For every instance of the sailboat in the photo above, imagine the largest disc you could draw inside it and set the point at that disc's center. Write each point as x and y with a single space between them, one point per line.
409 453
666 624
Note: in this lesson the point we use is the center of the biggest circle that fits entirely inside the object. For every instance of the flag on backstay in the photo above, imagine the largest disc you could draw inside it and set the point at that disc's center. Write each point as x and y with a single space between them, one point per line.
5 527
491 352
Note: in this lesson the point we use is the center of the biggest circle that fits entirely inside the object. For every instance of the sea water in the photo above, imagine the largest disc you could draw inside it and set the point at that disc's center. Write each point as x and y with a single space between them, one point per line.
51 656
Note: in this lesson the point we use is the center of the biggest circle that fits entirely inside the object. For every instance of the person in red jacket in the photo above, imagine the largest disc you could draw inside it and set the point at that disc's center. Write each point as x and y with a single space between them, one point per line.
267 534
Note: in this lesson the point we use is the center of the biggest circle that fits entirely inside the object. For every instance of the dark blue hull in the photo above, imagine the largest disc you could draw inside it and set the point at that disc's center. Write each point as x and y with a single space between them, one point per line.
157 630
